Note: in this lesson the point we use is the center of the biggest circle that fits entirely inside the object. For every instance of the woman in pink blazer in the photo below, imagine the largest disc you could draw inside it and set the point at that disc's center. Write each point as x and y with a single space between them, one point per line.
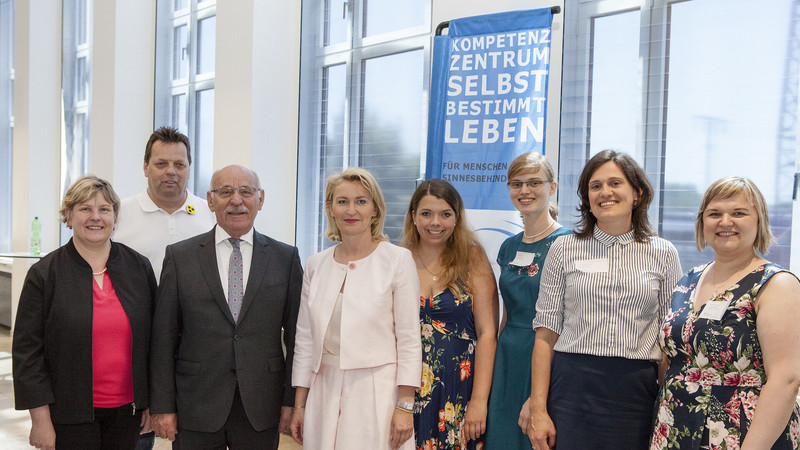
358 353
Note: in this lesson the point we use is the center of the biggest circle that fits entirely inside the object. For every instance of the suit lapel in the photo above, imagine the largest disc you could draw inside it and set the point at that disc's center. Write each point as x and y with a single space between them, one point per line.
208 265
258 267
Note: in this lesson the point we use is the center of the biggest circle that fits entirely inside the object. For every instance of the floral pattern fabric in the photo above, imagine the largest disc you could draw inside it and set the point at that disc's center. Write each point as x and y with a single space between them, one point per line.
448 358
716 370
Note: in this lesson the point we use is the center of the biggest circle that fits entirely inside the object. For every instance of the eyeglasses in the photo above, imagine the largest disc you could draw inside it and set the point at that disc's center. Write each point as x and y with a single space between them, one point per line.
228 191
532 184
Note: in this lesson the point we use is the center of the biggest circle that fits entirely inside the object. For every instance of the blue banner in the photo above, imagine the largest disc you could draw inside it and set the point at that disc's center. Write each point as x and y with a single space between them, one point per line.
488 101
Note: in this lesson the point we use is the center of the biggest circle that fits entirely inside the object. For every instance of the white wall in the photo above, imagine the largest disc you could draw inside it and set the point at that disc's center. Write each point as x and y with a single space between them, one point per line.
37 84
123 60
256 102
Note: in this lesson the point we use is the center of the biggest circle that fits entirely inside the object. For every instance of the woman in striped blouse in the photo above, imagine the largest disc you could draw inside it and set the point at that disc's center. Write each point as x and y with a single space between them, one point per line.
604 292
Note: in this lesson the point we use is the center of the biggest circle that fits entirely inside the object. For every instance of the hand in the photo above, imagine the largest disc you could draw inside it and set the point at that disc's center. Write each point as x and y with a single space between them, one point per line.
402 428
525 416
43 435
286 418
296 424
542 431
165 425
474 424
145 424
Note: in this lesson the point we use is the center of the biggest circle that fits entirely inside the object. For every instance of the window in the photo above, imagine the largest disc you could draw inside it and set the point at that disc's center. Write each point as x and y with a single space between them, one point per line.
6 118
363 101
695 91
185 58
76 79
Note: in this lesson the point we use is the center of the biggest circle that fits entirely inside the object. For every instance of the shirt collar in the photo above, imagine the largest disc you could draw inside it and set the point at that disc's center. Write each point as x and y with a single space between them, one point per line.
610 240
148 205
221 235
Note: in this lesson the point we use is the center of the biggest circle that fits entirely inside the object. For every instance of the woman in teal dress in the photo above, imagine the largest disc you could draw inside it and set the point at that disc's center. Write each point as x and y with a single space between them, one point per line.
521 258
731 336
458 319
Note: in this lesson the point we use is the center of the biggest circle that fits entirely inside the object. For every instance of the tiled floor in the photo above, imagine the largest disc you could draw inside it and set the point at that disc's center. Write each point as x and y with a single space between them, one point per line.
15 425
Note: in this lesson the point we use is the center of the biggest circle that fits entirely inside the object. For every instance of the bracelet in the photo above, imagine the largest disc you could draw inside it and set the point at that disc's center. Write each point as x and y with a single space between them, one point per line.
294 408
406 410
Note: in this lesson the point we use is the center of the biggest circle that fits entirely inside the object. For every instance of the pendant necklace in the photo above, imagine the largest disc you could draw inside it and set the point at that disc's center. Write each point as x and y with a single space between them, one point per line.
434 275
534 236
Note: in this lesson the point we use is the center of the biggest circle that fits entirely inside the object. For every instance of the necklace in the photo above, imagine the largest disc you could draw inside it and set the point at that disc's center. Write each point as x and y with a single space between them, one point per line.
434 275
537 234
717 286
97 274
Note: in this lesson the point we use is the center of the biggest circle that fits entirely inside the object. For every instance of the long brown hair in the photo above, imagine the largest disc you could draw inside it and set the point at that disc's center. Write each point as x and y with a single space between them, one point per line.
461 246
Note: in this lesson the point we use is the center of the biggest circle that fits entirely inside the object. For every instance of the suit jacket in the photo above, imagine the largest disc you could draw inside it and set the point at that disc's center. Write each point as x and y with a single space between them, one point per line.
52 346
380 314
199 354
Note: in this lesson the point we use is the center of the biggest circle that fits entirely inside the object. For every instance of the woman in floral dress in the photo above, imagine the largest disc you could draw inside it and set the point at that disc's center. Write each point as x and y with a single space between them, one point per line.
732 336
458 316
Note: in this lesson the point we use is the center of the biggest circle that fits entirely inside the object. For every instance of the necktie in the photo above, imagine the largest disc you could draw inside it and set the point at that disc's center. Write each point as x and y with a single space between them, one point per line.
235 280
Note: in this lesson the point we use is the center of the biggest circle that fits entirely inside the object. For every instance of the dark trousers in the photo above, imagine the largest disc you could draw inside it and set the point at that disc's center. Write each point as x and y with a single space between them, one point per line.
112 429
602 402
236 434
146 441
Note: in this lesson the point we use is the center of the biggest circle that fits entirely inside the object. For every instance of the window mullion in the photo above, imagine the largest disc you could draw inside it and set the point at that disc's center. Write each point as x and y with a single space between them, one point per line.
652 145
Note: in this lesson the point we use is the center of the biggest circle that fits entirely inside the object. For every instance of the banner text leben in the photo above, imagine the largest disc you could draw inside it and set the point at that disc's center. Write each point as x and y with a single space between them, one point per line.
496 88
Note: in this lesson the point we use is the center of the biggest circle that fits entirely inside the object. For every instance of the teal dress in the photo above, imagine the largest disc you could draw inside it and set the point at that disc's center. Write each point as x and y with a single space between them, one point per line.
511 383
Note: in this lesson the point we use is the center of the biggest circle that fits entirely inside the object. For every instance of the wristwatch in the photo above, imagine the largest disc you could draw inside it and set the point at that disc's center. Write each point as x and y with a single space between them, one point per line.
406 405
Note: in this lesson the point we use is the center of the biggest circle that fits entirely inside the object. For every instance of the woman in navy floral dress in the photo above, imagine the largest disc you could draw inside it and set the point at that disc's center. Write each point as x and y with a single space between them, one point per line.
458 317
731 337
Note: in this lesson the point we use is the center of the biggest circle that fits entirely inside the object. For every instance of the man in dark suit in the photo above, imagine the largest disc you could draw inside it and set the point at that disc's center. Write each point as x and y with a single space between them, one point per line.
219 377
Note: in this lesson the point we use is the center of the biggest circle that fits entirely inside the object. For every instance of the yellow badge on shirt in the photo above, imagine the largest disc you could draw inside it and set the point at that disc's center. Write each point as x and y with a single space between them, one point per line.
190 209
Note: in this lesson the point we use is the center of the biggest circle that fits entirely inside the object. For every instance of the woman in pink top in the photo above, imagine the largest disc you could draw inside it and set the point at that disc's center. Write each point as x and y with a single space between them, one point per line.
82 332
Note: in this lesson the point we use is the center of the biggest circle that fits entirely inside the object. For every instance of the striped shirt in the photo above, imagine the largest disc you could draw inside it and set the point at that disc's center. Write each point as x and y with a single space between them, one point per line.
607 295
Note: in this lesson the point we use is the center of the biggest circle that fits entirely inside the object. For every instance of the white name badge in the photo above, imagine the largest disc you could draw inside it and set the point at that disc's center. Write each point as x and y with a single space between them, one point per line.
714 310
592 265
523 259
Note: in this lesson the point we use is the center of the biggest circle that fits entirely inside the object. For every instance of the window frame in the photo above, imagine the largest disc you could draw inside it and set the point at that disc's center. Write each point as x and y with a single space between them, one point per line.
168 88
312 110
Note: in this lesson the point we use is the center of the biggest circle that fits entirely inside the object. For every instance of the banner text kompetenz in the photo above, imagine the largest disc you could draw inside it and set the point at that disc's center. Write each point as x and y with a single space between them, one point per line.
488 101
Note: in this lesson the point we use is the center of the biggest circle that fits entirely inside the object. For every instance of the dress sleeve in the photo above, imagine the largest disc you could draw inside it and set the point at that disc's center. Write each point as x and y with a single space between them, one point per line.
552 286
32 383
405 293
502 256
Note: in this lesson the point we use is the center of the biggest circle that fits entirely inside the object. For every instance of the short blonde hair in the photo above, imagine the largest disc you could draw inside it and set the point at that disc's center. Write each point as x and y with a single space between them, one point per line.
366 179
726 188
84 189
